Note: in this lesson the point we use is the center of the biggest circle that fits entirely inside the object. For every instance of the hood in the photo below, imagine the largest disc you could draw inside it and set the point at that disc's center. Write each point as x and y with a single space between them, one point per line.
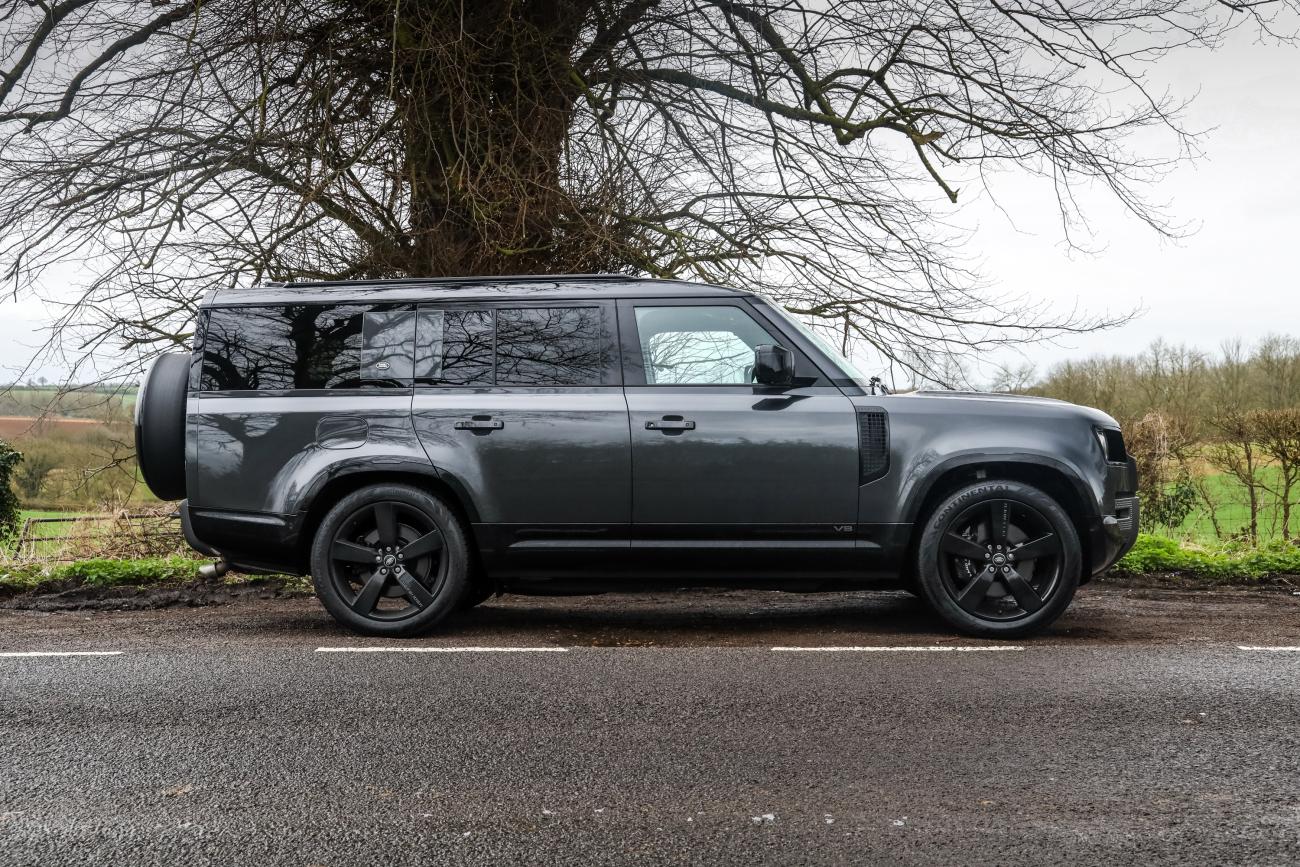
1047 404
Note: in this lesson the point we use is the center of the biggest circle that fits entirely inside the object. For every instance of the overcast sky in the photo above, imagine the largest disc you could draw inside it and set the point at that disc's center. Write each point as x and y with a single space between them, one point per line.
1234 277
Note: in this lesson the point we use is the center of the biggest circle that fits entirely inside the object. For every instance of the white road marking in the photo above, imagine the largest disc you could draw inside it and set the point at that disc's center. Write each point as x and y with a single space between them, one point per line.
442 650
1269 649
902 649
13 653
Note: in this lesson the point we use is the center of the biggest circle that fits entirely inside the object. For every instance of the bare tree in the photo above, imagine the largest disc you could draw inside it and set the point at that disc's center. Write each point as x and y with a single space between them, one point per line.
1279 439
808 149
1237 453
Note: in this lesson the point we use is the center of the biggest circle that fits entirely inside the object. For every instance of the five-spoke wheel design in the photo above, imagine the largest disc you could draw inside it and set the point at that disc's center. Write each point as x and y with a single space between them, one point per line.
1001 559
390 560
386 560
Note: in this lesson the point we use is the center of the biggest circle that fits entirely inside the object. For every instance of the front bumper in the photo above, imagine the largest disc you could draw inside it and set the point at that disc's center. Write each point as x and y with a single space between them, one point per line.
1115 531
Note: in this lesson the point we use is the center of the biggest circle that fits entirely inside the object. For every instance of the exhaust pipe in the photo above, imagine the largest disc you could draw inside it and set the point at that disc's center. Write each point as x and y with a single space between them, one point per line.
213 571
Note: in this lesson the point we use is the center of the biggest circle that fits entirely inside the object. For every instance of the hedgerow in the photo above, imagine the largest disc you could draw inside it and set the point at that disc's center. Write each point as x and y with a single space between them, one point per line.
1226 562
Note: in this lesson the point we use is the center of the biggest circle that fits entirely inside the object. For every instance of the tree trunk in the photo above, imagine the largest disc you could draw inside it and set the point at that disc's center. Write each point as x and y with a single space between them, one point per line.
485 100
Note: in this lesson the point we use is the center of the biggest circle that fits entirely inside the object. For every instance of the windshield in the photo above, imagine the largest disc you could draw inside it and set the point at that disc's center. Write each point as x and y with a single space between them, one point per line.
860 379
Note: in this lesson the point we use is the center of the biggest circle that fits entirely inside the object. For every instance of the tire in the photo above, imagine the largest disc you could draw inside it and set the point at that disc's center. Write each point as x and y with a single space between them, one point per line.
160 426
974 566
362 571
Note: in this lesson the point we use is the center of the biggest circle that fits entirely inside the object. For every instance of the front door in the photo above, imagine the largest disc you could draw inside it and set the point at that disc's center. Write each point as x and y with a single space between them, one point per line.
519 407
758 475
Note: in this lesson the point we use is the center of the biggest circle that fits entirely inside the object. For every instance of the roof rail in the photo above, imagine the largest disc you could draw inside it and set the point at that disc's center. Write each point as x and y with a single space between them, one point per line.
388 281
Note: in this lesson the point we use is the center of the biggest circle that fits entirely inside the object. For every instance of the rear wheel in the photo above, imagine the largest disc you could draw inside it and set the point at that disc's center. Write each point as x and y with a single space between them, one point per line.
390 560
999 559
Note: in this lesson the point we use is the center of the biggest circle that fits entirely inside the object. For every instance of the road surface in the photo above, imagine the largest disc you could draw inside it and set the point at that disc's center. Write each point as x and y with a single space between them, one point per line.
698 728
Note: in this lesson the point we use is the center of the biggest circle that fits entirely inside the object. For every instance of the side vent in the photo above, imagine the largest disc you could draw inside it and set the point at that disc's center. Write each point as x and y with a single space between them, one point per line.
873 443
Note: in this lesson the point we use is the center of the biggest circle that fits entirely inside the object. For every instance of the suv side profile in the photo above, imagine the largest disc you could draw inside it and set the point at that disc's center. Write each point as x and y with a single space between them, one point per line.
418 445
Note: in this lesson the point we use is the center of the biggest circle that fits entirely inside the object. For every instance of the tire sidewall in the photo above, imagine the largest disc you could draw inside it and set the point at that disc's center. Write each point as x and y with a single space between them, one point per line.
454 541
930 581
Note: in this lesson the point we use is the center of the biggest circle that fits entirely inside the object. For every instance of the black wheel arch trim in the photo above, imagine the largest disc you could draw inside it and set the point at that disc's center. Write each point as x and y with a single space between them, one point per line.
383 470
921 491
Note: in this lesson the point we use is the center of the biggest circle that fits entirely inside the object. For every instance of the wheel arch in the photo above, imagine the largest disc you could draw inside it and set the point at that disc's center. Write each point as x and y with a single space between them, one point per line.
1051 477
334 489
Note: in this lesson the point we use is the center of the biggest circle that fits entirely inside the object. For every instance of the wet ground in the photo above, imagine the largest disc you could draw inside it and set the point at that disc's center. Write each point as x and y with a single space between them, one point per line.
1150 726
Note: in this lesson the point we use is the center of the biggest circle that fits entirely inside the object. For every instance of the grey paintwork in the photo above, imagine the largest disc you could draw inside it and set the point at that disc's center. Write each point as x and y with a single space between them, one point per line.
577 469
931 434
752 459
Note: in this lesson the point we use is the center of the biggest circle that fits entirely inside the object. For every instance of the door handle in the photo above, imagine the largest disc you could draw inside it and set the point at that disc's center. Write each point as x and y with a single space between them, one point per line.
485 423
670 424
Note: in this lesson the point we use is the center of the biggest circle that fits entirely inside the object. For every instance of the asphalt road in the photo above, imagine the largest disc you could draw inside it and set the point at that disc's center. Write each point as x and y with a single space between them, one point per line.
653 730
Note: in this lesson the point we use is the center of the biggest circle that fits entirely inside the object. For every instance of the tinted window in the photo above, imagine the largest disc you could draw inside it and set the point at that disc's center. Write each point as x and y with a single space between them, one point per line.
550 346
454 347
306 346
698 345
511 346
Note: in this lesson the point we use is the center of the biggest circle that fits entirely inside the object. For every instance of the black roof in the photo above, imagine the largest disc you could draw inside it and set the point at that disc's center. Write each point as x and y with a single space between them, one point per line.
533 287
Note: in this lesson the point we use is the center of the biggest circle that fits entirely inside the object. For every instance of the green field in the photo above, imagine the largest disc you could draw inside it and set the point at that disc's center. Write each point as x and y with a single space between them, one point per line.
1232 512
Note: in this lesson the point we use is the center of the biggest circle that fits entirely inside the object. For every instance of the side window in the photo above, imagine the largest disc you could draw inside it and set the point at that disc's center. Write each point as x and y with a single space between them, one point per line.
550 346
306 346
454 347
540 346
386 338
698 345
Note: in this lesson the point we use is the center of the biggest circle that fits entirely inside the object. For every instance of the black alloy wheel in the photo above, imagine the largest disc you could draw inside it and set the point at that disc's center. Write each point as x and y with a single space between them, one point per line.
999 558
389 560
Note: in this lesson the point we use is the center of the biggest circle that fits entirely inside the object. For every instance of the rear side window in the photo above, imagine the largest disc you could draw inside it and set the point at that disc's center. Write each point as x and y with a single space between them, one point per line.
307 346
537 346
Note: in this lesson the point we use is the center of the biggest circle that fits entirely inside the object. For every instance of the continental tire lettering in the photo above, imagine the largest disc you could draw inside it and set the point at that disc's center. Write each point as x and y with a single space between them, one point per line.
966 496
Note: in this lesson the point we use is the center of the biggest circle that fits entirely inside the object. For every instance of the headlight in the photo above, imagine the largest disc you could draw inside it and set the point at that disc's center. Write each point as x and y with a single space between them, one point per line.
1101 441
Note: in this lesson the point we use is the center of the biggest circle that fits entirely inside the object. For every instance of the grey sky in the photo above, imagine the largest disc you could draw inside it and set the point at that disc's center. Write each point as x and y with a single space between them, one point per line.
1234 277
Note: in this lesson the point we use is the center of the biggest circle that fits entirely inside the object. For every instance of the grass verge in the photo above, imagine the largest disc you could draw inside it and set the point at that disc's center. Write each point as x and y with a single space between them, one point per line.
1227 563
93 574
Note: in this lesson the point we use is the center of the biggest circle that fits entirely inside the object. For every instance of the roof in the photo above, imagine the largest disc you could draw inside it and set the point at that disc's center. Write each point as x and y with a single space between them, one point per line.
531 287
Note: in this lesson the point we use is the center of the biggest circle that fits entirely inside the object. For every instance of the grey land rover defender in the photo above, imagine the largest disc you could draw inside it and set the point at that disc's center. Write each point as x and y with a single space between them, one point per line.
418 445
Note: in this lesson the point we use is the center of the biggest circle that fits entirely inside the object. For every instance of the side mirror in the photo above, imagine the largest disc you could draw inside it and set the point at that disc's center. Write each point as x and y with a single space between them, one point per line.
773 365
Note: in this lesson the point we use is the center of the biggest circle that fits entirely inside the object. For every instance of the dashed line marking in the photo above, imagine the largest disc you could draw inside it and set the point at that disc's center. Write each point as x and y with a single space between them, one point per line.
902 649
442 650
24 653
1268 649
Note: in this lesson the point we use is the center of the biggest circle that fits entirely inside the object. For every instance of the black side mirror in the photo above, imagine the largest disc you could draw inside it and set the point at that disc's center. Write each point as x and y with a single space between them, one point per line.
773 365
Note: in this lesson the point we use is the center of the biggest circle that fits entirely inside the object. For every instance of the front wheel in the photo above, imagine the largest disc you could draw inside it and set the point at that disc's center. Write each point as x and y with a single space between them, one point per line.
999 559
390 560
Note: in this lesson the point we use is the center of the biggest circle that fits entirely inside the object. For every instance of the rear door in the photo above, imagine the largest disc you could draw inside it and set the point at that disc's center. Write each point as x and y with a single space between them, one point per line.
720 463
520 406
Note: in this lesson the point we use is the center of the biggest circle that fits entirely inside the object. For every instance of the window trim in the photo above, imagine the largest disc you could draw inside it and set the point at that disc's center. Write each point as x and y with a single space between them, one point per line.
634 361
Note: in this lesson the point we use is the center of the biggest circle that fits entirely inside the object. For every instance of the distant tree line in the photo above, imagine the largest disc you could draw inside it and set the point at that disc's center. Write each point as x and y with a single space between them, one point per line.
1182 382
1186 411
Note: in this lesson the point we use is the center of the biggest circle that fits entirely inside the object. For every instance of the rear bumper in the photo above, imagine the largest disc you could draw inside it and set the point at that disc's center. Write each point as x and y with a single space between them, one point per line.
249 541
